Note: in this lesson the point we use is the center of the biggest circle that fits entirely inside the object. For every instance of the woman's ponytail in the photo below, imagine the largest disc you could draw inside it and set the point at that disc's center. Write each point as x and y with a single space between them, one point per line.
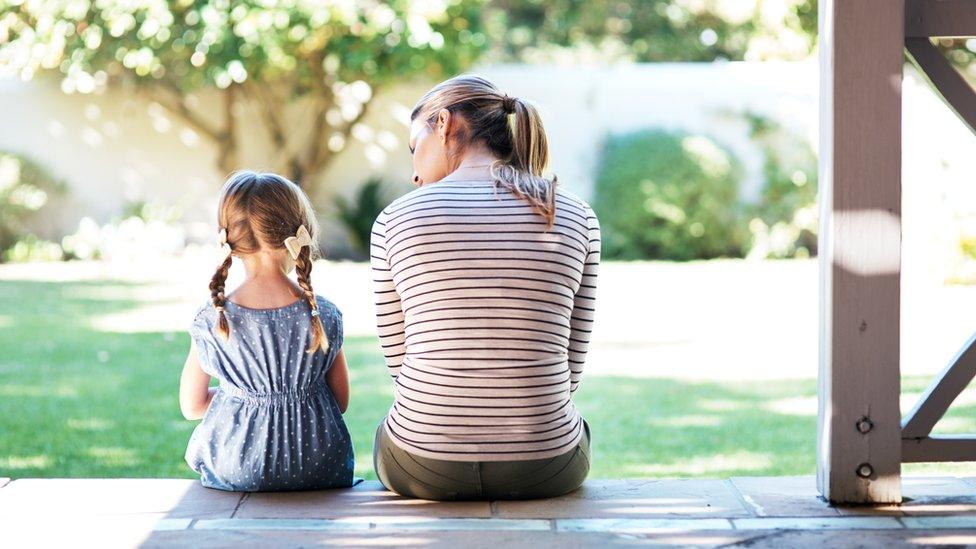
522 173
511 128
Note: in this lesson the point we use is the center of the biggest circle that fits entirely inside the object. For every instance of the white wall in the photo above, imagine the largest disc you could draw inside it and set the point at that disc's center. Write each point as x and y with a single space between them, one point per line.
116 147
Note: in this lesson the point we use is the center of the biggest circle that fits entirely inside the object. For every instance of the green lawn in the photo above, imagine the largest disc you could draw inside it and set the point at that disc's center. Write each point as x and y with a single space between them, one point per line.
79 401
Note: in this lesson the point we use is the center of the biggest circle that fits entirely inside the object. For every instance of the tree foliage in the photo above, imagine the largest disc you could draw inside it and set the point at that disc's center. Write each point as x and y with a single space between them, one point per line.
322 62
656 30
325 58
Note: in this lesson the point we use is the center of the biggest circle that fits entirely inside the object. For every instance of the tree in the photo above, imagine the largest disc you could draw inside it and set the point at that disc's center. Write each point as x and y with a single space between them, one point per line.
323 60
655 30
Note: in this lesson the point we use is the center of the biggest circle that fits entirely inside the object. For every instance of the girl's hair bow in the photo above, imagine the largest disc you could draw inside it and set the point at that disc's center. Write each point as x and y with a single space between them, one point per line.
295 243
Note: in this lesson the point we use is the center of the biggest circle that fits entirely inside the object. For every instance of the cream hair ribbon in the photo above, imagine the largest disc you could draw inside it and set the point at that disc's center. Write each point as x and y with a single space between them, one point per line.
295 243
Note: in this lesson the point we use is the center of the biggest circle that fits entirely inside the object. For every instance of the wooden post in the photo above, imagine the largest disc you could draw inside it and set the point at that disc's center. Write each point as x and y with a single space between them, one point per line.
859 435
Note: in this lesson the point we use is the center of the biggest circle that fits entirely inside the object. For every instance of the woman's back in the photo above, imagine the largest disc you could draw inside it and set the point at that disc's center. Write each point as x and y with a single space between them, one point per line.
484 318
274 424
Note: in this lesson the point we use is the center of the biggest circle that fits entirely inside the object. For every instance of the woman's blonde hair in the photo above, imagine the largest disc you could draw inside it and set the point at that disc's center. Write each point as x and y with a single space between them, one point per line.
259 211
510 127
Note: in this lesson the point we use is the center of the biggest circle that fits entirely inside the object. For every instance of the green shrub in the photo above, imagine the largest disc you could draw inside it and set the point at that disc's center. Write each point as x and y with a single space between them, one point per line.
663 195
784 220
30 248
142 228
25 188
357 215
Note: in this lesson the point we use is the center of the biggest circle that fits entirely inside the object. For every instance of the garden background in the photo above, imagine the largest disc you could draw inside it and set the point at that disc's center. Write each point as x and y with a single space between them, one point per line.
690 125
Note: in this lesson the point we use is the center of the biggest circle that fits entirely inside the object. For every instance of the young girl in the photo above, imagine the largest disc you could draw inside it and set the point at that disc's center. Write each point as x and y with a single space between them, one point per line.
275 421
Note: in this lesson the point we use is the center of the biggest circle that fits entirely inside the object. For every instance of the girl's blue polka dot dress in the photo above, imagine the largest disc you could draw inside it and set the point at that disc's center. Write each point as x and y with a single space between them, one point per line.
274 423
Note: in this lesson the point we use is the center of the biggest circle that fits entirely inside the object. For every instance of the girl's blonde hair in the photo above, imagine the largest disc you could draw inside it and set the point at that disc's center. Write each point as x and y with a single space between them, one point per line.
510 127
259 211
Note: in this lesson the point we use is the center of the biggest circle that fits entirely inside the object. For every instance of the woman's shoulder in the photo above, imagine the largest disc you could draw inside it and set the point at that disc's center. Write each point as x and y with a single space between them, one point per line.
574 201
401 200
570 197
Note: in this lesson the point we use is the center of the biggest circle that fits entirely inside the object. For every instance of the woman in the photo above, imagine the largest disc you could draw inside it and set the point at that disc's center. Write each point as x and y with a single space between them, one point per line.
485 285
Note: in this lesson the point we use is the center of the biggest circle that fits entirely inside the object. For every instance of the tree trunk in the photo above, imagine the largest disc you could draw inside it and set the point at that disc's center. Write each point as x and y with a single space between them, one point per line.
227 154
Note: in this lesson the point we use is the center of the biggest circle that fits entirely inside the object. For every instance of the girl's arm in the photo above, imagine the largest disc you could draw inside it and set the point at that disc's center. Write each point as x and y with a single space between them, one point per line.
338 380
195 390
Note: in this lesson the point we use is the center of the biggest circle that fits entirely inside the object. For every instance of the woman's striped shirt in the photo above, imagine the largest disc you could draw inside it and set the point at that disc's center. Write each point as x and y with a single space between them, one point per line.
484 316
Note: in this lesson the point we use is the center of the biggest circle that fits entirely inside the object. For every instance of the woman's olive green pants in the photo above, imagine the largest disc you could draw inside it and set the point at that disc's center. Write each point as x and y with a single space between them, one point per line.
434 479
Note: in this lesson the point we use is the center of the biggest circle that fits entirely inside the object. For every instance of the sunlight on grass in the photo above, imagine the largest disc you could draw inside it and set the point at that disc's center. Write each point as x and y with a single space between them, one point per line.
685 421
18 390
90 424
14 463
704 466
114 456
797 406
148 318
721 405
92 392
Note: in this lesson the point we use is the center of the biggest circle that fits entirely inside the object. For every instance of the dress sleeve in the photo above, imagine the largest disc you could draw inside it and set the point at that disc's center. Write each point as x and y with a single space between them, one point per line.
338 331
201 332
584 304
389 310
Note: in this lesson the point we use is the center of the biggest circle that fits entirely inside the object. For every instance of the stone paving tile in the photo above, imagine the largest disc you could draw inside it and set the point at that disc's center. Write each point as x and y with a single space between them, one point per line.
634 498
128 530
376 524
838 539
798 496
176 498
641 526
783 496
816 523
935 522
450 540
929 495
367 498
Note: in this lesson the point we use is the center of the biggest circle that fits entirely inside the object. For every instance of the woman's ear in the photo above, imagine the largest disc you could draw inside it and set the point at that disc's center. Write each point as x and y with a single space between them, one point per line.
444 120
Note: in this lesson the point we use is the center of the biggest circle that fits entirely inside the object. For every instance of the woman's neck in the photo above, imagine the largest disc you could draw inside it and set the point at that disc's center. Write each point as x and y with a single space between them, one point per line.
475 165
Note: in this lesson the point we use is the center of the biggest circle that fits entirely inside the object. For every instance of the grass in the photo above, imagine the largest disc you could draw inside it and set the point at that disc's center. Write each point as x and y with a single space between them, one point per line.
80 401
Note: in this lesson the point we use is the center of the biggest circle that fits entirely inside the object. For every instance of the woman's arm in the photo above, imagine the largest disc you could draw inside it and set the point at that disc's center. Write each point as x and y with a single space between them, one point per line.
584 305
389 310
195 390
338 380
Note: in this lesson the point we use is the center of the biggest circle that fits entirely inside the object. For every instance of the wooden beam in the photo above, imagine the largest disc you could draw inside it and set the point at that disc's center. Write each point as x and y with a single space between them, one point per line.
939 395
955 91
861 56
939 448
946 18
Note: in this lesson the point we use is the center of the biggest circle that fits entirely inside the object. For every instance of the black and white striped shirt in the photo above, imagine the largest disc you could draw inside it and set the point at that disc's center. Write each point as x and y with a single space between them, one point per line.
484 317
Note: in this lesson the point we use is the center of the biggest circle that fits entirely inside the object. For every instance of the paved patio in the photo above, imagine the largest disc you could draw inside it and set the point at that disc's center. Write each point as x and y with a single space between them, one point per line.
753 511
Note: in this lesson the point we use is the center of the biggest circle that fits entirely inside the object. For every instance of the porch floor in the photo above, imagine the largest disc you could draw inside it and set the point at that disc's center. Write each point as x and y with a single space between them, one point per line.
753 511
